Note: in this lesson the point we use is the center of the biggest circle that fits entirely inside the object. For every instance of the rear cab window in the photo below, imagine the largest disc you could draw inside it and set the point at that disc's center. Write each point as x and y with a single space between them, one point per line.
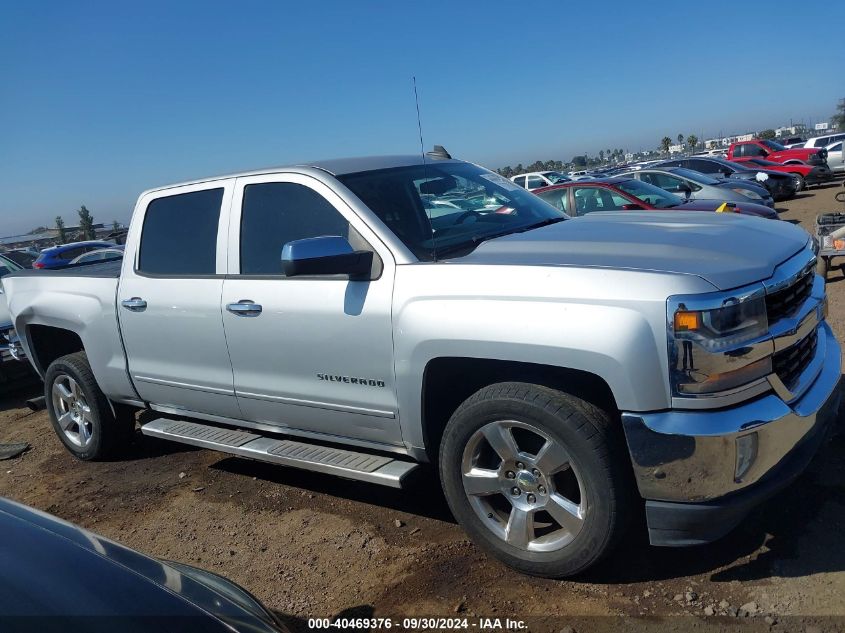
179 234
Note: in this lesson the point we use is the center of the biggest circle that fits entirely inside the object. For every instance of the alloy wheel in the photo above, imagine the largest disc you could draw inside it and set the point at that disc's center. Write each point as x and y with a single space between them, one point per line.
523 486
72 411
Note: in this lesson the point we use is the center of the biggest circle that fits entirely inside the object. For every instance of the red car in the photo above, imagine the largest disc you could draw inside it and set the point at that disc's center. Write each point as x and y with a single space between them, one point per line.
804 174
623 193
775 152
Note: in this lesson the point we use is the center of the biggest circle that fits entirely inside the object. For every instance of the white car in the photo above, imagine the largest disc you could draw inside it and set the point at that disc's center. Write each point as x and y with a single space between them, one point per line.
823 141
537 179
99 255
835 157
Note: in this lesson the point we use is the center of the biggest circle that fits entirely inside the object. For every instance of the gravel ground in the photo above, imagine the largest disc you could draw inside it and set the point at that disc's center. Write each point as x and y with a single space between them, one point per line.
314 546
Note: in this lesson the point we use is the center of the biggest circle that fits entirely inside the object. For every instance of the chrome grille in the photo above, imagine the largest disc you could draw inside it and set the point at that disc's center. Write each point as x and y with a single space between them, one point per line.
784 303
789 363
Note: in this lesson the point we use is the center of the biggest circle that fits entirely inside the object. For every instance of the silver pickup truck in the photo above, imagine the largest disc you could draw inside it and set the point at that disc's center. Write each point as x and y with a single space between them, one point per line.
360 317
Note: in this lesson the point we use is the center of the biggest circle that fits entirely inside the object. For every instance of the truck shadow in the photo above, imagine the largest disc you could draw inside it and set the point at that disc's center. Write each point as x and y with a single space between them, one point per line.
16 392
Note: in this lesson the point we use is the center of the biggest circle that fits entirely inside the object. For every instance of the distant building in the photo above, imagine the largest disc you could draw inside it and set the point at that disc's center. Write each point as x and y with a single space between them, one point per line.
744 137
676 149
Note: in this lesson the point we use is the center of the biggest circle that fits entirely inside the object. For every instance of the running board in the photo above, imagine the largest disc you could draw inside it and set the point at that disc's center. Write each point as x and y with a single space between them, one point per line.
376 469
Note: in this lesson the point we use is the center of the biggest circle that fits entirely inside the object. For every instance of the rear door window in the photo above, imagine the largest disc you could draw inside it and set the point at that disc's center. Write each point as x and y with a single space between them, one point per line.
179 236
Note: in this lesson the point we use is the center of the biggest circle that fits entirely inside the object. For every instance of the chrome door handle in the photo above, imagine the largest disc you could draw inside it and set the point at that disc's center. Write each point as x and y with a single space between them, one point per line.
244 307
135 304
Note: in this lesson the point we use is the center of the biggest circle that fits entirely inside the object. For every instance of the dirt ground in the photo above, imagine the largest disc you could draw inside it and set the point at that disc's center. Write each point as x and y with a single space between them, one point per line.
310 545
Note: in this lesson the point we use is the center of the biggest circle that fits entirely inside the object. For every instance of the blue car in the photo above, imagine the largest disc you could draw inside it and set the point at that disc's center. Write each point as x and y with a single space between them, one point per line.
62 255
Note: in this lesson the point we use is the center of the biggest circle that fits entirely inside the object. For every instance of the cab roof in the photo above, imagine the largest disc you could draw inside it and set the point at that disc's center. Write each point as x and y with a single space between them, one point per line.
333 166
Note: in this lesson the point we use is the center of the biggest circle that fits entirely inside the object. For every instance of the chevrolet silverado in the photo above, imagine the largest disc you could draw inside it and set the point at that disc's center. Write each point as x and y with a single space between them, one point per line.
557 372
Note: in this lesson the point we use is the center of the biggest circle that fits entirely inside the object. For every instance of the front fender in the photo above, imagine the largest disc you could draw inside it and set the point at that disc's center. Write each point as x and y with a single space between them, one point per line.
615 332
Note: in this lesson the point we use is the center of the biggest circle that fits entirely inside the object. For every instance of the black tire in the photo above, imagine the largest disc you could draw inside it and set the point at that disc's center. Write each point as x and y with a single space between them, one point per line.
108 432
802 185
597 456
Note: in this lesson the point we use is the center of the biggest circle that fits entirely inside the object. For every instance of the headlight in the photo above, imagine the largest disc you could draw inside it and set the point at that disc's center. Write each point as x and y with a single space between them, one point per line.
737 321
749 194
718 343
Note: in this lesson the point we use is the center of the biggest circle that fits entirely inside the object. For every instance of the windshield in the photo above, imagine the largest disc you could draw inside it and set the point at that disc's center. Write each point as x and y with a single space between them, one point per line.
442 208
774 146
695 176
555 177
651 195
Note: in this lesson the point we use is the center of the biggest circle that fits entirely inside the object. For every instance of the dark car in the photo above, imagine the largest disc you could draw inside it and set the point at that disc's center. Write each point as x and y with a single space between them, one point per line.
23 258
58 256
629 194
804 174
780 186
697 186
57 576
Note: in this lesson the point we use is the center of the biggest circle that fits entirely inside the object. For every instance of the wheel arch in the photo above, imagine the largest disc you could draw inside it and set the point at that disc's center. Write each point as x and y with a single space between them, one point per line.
47 343
449 380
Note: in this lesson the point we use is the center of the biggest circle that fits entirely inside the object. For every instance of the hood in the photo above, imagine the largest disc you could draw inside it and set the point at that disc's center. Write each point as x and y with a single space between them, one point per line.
797 152
747 208
48 557
757 187
727 250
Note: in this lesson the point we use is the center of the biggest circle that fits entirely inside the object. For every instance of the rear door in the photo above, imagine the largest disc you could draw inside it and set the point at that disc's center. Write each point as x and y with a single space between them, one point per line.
313 353
169 299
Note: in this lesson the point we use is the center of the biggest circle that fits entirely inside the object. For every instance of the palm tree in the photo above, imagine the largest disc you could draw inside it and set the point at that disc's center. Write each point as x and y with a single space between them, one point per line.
601 155
665 143
692 141
680 139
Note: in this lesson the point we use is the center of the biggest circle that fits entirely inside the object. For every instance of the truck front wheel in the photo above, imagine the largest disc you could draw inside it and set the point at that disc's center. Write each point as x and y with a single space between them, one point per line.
536 477
80 412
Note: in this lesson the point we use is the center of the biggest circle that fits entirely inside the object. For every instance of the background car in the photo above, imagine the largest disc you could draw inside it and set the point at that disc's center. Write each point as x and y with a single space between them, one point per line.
835 157
64 571
793 141
11 352
101 254
780 186
629 194
823 141
62 255
694 185
23 257
771 150
535 179
804 174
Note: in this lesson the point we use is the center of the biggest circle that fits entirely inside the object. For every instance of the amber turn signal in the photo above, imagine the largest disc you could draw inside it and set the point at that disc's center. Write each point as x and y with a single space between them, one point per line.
686 321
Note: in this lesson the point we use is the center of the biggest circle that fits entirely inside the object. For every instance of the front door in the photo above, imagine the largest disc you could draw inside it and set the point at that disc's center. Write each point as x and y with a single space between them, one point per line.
314 354
168 299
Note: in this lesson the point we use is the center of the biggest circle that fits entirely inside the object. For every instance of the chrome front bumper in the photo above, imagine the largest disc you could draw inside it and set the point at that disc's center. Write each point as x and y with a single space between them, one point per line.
696 456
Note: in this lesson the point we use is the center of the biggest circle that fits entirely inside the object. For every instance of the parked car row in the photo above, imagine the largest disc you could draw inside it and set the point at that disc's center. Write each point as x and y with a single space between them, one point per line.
632 193
761 164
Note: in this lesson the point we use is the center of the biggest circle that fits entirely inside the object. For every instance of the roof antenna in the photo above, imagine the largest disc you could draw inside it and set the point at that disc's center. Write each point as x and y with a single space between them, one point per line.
425 168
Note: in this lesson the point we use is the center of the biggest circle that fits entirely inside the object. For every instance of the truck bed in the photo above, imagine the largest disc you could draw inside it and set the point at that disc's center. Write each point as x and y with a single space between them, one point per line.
106 269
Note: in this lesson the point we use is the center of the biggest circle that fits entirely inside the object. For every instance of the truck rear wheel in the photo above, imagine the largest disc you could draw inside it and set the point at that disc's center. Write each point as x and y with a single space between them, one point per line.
536 477
80 412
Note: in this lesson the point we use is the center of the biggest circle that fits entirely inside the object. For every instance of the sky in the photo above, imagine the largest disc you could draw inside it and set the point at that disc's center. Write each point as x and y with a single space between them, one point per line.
101 100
